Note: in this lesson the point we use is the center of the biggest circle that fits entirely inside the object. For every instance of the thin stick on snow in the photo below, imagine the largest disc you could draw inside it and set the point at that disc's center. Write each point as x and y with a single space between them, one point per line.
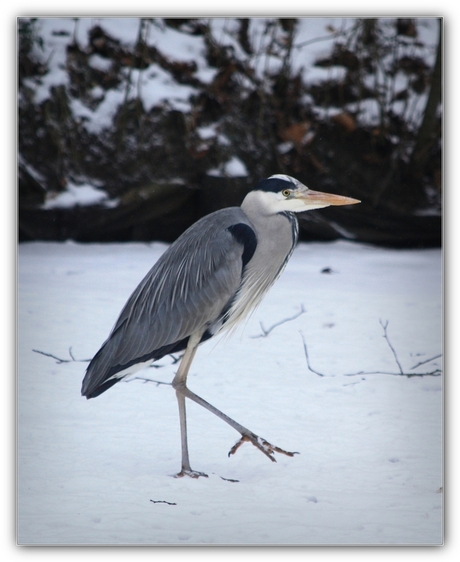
307 358
426 361
266 332
435 373
175 359
163 501
146 379
385 335
59 360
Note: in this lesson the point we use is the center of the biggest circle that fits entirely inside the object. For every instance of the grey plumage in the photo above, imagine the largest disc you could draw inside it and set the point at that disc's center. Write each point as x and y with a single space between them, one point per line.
207 281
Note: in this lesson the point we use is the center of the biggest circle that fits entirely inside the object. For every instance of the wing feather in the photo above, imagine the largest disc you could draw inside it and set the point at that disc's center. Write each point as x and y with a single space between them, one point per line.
187 289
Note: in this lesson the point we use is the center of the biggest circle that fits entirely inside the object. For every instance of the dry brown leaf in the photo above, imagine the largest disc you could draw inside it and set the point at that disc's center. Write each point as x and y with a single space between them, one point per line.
346 121
295 132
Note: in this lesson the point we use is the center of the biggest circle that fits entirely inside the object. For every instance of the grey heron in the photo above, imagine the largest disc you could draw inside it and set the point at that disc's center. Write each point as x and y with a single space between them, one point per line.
207 281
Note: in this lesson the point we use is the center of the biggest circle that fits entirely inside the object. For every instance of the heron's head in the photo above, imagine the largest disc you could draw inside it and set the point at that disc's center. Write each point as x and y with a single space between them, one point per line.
281 193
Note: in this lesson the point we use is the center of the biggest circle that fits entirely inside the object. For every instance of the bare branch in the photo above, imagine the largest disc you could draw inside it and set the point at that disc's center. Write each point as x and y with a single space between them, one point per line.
228 479
426 361
266 332
175 359
385 335
59 360
307 358
163 501
146 379
435 373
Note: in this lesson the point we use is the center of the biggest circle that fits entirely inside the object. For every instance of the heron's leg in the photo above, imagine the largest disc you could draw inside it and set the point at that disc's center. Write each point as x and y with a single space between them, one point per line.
246 435
182 391
181 375
186 469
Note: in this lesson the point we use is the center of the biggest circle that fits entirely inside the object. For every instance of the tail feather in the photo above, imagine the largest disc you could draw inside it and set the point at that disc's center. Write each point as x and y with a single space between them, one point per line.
98 390
95 381
103 368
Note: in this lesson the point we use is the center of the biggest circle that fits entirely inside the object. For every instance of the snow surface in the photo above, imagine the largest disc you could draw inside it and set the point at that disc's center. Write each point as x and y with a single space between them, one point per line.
370 464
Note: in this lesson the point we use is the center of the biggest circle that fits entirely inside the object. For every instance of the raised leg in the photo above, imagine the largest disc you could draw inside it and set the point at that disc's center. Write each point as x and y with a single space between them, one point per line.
182 391
246 435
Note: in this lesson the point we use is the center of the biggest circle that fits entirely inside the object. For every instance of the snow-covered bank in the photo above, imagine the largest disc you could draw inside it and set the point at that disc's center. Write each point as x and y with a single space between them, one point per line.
370 463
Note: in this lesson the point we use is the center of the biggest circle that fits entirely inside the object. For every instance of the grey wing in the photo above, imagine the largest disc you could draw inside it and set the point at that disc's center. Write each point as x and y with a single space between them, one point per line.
188 289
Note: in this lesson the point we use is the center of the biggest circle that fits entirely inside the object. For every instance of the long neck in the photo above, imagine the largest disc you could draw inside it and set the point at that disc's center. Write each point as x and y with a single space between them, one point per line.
276 238
277 233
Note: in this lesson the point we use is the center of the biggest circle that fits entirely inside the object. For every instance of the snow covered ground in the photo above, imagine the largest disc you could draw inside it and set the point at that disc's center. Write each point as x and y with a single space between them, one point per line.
370 464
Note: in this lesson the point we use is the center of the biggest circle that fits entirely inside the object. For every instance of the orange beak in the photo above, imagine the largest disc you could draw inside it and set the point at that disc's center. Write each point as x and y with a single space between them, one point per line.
325 199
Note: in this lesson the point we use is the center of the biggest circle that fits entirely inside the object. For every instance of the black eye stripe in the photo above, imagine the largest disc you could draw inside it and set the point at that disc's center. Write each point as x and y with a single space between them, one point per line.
274 184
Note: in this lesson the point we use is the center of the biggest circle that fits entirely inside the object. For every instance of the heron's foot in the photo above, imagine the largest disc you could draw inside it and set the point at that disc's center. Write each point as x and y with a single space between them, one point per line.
267 448
191 473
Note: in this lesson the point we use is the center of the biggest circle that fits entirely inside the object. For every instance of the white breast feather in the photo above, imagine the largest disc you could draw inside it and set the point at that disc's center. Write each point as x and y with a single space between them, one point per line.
254 286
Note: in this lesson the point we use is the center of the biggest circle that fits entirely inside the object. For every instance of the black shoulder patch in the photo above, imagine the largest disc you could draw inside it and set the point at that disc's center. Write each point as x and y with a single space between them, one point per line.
245 236
273 184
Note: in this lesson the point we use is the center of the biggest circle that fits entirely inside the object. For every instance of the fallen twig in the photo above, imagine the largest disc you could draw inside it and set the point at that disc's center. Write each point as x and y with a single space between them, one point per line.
175 359
308 359
385 335
59 360
146 379
72 359
435 373
266 332
426 361
163 501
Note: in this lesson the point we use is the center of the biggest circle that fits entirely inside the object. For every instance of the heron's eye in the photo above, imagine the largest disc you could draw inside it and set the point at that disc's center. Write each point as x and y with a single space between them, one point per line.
286 192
